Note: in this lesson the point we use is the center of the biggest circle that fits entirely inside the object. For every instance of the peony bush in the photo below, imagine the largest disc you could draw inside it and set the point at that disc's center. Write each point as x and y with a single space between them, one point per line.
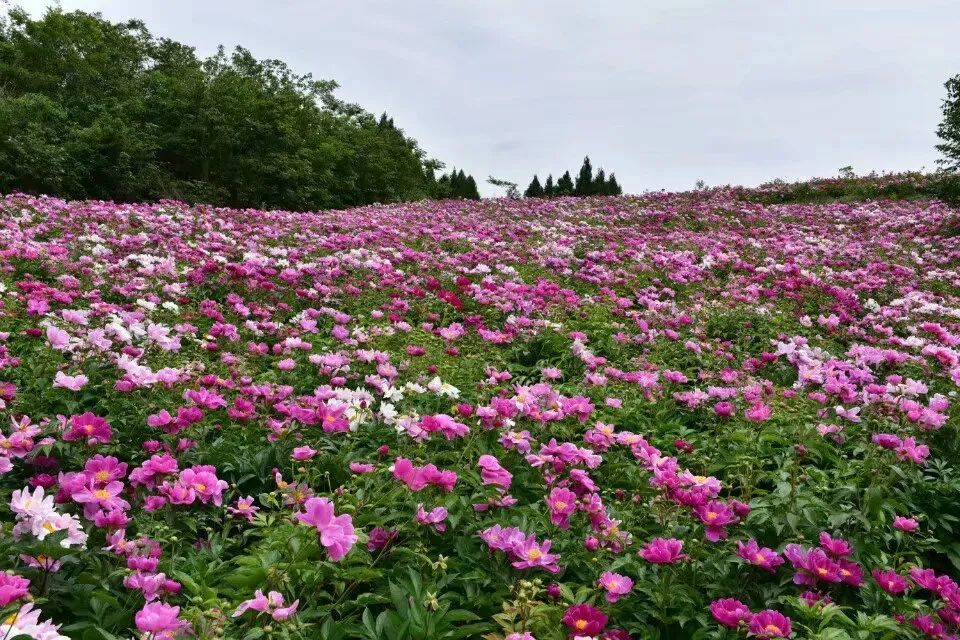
695 415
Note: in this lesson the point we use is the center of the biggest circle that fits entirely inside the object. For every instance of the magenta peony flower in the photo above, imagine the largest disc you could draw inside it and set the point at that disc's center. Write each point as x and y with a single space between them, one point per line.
584 620
716 515
12 587
907 525
891 582
762 557
730 612
379 538
769 624
663 551
89 427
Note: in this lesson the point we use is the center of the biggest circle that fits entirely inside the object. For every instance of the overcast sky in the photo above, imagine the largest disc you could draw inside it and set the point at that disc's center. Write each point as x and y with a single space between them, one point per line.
663 93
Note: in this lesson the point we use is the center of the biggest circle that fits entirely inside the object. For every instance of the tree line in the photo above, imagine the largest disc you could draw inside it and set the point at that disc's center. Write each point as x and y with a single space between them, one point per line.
94 109
586 184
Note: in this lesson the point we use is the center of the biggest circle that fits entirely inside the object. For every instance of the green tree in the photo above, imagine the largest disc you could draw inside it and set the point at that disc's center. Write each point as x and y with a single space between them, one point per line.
600 186
584 185
949 128
613 187
535 190
471 191
565 185
94 109
456 185
549 189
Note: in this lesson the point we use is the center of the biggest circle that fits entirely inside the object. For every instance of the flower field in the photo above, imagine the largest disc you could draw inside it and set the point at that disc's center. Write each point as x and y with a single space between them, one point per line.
667 416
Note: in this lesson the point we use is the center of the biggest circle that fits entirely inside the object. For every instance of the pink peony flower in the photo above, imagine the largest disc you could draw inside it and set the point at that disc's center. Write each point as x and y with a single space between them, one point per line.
73 383
434 517
663 551
615 585
562 503
303 453
336 532
492 473
769 624
159 618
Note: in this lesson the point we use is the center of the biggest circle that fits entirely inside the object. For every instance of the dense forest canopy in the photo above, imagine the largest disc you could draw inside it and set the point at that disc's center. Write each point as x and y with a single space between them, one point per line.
94 109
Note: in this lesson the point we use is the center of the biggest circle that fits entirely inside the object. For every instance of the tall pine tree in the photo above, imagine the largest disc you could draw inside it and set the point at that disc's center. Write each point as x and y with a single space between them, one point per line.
548 189
470 189
600 187
584 185
565 185
535 190
613 188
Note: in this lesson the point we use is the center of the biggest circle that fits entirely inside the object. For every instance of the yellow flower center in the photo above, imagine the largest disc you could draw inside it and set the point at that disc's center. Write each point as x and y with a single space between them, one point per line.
758 558
534 554
712 515
772 628
200 486
559 505
101 476
580 625
101 494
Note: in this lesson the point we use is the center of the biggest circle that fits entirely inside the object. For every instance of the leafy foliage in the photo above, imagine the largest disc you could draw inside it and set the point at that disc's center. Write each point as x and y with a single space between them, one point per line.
94 109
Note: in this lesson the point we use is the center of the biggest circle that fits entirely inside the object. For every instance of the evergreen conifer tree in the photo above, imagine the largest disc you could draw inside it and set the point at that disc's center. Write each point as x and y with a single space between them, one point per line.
600 186
535 190
470 189
613 188
584 185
